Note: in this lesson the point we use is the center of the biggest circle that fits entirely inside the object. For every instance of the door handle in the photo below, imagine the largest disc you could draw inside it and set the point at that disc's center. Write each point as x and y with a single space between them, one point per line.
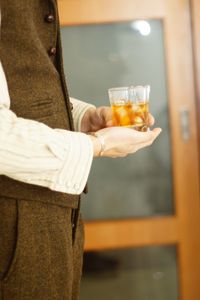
185 123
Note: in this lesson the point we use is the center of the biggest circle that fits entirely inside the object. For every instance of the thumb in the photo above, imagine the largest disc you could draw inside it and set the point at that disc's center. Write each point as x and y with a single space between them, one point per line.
109 123
156 132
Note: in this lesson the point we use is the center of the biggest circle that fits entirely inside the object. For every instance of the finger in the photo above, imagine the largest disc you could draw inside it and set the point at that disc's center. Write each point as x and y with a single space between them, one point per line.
109 123
150 120
145 136
106 114
154 134
148 139
120 155
156 131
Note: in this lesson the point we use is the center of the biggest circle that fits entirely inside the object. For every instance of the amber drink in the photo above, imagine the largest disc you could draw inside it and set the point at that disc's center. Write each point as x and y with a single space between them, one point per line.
130 107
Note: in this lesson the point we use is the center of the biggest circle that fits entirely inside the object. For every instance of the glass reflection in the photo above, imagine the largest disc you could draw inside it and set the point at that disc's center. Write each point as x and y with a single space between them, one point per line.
143 27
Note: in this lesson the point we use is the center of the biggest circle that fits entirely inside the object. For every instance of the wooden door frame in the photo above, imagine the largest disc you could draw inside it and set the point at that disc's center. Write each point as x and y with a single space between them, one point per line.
195 23
181 229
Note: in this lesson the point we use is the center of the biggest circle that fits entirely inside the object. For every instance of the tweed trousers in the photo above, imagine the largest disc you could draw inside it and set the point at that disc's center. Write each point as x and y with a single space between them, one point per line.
40 251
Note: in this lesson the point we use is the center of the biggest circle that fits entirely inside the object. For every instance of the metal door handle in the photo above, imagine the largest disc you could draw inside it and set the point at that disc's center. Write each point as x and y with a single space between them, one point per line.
185 123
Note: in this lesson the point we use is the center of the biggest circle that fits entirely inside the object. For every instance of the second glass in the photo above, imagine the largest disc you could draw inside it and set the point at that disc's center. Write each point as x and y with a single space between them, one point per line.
130 106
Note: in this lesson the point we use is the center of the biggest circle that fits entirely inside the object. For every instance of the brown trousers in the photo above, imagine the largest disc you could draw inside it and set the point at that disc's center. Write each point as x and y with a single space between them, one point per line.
39 259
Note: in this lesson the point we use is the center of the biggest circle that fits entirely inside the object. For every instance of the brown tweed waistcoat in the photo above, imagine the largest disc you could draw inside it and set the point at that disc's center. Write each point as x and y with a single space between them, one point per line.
30 51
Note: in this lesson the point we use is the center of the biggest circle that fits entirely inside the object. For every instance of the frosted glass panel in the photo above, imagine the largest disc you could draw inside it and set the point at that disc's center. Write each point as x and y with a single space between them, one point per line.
97 57
134 274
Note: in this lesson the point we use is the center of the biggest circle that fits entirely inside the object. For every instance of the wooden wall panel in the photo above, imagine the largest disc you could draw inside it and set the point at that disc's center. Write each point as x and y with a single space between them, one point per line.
100 11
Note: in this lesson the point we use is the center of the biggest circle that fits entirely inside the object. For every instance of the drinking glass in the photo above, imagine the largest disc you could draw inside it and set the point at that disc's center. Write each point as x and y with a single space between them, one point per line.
130 106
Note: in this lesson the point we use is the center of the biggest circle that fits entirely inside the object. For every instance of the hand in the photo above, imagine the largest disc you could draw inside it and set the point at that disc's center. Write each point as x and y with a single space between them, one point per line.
95 119
101 117
121 141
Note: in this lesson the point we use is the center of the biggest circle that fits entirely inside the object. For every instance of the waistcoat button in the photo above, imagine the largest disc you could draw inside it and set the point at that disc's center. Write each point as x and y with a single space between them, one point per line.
49 18
71 106
52 51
